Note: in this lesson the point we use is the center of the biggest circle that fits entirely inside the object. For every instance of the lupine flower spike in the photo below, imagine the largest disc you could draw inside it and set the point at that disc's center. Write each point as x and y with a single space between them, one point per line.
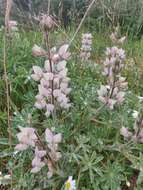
86 46
53 82
45 154
114 91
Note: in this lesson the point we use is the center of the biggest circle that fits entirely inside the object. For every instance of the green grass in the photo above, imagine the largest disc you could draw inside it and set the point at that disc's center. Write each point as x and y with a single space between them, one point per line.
93 152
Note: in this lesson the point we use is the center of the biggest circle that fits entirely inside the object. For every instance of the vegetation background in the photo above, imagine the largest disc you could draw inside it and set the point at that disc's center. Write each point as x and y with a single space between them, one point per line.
93 150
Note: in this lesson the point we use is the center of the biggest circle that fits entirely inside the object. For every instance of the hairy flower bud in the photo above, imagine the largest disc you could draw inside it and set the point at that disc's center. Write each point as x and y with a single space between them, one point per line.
37 51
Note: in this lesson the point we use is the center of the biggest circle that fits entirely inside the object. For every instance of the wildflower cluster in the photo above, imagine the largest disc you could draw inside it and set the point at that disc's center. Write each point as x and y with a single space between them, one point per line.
53 81
86 46
45 153
114 92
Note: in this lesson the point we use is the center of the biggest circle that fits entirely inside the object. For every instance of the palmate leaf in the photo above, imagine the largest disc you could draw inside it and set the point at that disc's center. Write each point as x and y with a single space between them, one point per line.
112 177
82 142
90 164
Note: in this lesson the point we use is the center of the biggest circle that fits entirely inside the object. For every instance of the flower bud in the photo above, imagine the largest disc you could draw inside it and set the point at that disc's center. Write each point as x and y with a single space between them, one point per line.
38 51
47 22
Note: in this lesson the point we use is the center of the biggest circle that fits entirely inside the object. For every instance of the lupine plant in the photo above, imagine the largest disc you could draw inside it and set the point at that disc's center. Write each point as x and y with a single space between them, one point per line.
53 93
53 81
67 150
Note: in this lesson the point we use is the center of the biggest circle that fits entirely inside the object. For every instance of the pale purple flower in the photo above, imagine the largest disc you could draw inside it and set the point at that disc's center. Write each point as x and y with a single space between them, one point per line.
51 138
63 52
47 66
125 132
49 109
37 162
38 73
53 141
115 52
40 103
48 76
26 137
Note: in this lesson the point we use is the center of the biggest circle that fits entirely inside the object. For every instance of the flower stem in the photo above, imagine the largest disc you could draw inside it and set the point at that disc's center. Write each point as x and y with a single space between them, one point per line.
47 40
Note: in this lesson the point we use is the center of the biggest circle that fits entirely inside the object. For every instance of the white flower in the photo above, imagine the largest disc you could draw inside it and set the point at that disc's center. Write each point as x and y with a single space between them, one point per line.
135 114
70 184
128 183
